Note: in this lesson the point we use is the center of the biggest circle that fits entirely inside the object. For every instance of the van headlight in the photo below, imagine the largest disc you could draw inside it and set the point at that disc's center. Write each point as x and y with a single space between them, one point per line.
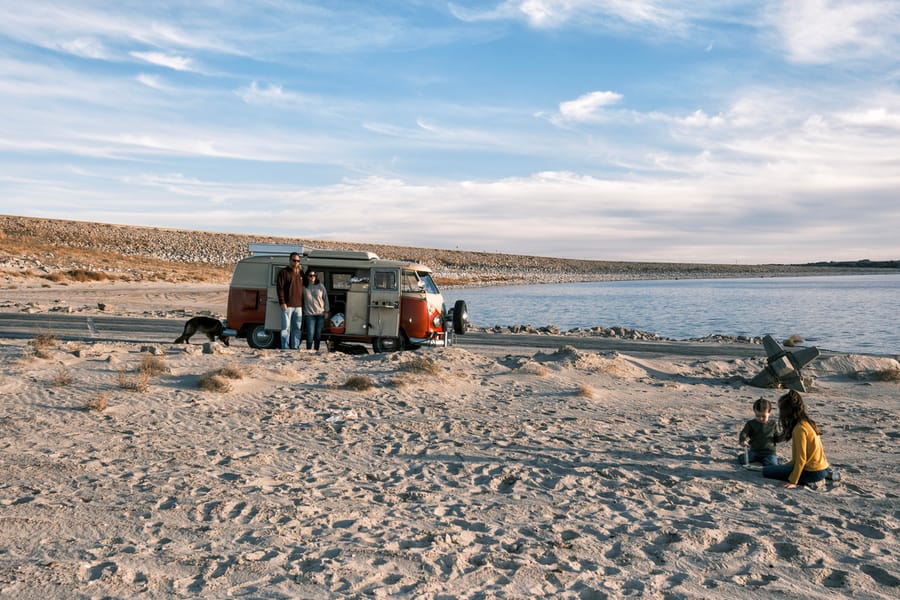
437 321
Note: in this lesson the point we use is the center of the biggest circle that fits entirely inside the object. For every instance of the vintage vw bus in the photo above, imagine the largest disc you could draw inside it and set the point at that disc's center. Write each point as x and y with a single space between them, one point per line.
392 305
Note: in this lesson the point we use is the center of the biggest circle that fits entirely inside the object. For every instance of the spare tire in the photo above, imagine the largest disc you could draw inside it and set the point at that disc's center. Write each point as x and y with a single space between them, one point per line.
460 317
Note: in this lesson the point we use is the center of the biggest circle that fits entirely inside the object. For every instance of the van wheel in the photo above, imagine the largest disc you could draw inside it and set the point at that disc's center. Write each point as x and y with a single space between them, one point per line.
460 317
260 337
386 344
406 344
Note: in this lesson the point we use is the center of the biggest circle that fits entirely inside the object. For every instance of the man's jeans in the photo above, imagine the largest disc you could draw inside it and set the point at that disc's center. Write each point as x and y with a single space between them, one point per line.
312 329
290 327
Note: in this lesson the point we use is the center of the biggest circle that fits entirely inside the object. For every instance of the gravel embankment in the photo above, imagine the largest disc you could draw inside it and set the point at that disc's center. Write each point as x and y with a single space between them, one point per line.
96 243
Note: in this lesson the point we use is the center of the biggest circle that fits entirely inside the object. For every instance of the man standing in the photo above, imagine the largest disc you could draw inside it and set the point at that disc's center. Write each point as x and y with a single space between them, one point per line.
290 297
315 308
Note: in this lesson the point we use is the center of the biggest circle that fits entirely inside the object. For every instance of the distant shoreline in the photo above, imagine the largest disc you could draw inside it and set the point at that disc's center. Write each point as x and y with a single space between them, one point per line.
32 248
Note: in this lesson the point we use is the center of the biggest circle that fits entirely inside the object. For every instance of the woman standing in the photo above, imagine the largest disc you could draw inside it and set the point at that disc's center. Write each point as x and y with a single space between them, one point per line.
315 306
808 463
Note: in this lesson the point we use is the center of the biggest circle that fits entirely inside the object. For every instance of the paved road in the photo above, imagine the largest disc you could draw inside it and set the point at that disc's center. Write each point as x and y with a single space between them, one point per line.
66 326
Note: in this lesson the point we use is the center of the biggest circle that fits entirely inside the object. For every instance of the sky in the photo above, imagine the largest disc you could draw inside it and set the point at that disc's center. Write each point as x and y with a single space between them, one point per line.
716 131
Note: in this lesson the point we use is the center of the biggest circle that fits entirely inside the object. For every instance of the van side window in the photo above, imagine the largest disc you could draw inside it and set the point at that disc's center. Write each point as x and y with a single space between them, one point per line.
341 281
385 280
410 281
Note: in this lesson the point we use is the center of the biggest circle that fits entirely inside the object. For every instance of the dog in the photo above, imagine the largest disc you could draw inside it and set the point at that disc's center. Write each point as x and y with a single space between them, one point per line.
213 329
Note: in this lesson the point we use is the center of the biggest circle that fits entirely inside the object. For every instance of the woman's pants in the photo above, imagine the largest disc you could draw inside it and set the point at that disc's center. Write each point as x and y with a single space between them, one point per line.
782 472
312 330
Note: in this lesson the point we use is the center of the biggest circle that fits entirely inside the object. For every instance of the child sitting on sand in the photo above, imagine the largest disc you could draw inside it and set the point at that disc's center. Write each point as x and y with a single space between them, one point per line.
808 462
759 435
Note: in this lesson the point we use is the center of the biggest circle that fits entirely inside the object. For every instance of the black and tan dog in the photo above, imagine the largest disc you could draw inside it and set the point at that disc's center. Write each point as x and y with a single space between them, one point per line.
213 329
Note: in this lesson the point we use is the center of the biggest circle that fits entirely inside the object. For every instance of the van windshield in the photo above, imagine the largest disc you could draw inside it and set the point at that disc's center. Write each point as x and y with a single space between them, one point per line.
430 286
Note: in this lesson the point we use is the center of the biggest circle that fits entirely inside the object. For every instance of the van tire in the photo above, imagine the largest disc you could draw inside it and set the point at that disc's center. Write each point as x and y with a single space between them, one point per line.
263 339
386 344
460 317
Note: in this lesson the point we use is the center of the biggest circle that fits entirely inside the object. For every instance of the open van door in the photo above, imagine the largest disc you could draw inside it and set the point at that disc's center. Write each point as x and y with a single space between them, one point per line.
273 309
384 308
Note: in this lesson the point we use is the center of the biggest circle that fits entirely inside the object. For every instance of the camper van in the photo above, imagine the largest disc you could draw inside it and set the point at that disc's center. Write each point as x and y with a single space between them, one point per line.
392 305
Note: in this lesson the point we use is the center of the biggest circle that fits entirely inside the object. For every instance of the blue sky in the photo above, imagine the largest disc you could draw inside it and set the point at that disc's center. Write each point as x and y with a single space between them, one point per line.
708 131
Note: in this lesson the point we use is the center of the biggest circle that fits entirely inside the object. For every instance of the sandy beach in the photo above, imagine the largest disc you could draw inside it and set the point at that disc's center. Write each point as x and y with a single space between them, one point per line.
159 470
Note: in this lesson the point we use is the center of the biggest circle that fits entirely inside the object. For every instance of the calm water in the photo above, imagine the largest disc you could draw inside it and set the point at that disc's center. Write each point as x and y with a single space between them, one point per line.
840 313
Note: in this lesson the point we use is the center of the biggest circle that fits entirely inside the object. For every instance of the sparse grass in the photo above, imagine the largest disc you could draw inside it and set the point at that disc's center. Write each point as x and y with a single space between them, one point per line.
586 391
232 372
153 365
359 383
534 369
213 382
42 344
886 375
62 378
218 380
793 340
420 364
98 403
79 275
134 382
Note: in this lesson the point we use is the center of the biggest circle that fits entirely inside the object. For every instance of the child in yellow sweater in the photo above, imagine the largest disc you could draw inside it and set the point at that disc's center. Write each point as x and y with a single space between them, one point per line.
808 463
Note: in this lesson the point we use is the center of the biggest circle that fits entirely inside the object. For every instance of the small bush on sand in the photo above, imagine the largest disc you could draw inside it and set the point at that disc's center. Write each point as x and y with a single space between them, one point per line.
97 403
534 369
420 364
586 391
359 383
153 365
134 382
793 340
232 372
42 344
887 375
214 382
218 380
62 378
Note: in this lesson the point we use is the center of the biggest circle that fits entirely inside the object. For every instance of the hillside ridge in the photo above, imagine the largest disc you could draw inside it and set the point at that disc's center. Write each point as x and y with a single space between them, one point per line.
32 246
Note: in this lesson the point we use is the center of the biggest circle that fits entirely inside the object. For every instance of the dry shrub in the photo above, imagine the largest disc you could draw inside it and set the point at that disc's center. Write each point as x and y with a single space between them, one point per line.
98 403
534 369
232 372
359 383
56 277
586 391
84 276
886 375
213 382
62 378
420 364
218 380
135 382
42 344
153 365
793 340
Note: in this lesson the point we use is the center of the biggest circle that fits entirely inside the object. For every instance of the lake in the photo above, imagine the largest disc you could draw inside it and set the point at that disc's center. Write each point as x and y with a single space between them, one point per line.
853 313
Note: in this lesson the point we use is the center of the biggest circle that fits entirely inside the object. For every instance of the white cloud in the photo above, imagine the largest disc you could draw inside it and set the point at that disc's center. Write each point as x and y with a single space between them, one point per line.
270 94
668 15
151 81
171 61
86 47
827 31
586 107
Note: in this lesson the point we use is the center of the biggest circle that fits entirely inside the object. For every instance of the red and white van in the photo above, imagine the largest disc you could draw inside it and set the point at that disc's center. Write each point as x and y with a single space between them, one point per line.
390 304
